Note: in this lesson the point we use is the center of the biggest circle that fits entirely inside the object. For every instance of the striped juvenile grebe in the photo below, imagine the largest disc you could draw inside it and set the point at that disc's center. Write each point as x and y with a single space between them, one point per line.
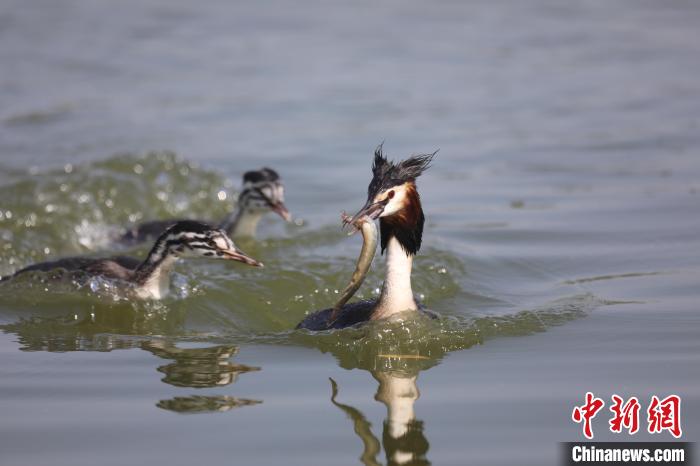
262 192
393 199
150 278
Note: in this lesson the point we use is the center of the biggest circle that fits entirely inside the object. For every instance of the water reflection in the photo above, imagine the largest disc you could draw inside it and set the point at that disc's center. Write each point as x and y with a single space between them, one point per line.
201 367
204 404
404 442
393 352
82 327
197 367
396 351
402 436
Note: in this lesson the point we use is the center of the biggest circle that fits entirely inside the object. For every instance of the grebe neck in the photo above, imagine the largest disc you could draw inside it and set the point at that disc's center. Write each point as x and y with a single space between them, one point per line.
152 277
242 222
397 294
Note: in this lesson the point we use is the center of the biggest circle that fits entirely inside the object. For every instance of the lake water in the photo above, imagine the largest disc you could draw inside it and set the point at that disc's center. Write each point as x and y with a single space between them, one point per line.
562 242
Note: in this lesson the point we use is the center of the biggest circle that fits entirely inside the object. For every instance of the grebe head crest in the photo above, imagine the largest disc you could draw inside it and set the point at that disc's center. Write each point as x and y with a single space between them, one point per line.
195 239
392 196
263 191
386 174
393 183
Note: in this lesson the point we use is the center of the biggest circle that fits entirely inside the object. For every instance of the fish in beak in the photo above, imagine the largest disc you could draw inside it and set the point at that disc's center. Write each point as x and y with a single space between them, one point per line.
371 210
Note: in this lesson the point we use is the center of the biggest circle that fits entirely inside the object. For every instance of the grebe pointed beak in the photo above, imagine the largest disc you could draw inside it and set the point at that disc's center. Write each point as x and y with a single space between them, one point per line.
371 210
238 255
280 209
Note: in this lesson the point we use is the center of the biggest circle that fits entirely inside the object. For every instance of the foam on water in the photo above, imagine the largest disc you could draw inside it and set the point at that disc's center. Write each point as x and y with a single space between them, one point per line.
80 208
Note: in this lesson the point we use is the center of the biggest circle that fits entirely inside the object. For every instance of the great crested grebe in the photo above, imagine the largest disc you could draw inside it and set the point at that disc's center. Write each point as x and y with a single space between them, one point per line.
392 197
150 278
262 192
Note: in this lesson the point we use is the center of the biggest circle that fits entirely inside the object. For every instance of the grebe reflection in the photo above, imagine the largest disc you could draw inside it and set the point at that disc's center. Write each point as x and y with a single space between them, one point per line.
403 438
199 367
122 327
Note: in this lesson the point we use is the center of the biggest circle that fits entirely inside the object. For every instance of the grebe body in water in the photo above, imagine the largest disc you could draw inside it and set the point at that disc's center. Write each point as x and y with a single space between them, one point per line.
393 199
150 278
263 192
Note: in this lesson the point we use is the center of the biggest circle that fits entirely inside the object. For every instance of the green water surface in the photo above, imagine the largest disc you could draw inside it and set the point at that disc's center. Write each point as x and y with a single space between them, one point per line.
561 247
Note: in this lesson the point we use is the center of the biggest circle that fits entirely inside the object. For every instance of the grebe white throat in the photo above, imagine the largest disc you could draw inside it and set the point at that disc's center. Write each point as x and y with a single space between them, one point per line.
245 223
157 284
397 294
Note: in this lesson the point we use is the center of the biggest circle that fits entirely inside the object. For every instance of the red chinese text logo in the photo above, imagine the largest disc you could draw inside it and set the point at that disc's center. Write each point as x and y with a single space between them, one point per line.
665 415
626 415
587 412
661 414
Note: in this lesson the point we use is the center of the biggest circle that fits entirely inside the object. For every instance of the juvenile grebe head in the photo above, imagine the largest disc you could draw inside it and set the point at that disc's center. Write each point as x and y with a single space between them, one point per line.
194 239
262 192
393 197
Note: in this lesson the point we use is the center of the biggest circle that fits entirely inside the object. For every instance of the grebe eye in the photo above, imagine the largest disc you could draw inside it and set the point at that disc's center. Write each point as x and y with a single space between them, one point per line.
390 194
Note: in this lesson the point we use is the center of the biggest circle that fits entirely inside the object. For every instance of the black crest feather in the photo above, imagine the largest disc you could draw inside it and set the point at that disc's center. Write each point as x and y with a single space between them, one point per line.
406 227
257 176
386 174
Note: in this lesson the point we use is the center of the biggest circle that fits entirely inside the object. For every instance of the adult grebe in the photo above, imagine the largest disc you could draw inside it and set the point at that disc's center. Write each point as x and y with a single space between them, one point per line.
150 278
393 198
262 192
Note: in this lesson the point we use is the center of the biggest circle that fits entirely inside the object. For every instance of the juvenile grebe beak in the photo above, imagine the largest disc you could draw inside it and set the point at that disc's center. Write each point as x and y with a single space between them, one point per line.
280 209
276 205
238 255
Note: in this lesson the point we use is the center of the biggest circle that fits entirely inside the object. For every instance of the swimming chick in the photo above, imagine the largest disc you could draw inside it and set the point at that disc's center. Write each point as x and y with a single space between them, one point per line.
392 197
150 278
263 192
